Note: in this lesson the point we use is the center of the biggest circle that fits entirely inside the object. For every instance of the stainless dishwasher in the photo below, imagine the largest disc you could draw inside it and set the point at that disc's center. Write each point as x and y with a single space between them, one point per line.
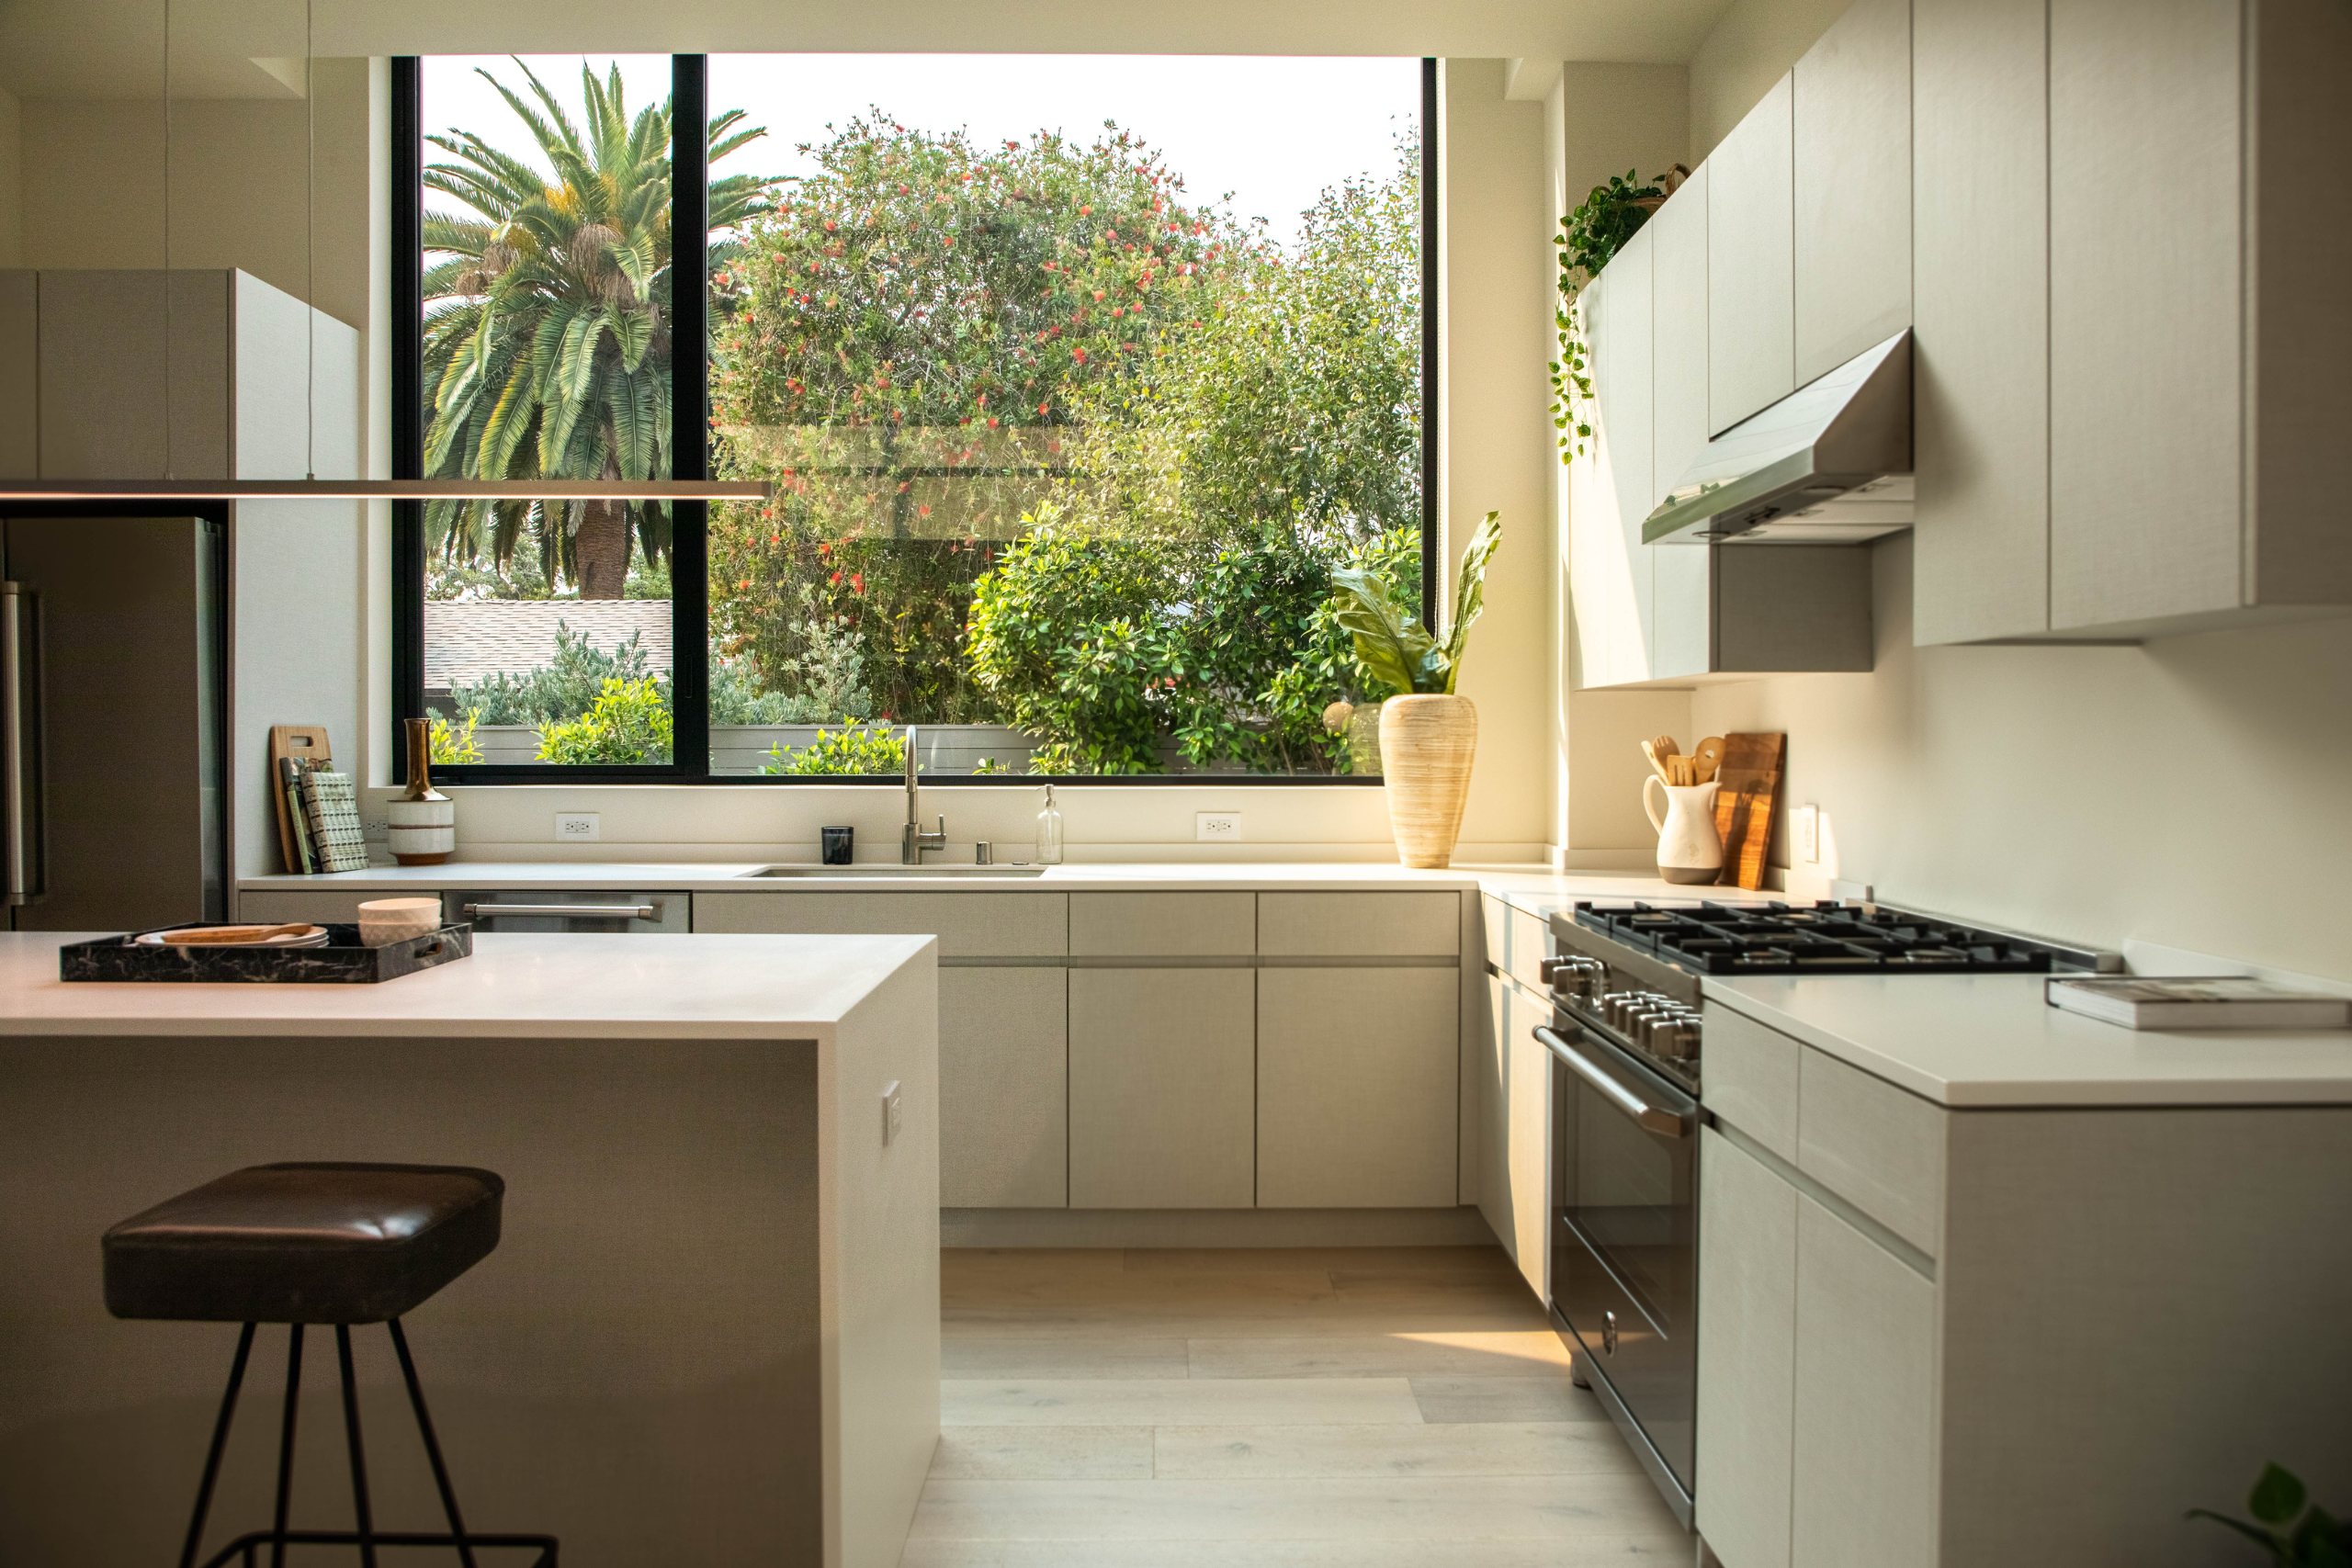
631 913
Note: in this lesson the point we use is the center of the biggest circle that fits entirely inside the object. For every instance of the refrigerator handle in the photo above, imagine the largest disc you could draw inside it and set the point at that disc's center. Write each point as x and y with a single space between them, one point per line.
20 835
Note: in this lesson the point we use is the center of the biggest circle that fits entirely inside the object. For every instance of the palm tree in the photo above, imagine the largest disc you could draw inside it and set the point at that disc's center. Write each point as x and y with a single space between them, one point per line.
547 343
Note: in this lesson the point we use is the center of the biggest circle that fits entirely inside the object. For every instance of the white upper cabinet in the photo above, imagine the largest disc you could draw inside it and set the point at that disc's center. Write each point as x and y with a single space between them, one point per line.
1678 354
2179 473
1981 340
1751 289
1852 186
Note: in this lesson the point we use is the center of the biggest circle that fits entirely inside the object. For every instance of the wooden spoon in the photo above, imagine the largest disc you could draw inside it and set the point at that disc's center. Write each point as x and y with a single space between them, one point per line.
1658 759
209 936
1709 755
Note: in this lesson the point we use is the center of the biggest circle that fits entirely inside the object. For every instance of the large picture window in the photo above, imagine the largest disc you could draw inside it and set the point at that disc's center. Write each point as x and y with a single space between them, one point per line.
1067 412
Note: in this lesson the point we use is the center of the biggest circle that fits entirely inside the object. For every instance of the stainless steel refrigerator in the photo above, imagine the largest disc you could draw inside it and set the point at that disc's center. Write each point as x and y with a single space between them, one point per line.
113 658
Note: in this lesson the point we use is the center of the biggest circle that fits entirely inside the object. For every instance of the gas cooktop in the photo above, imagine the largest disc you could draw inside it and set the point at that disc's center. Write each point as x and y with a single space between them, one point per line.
1825 938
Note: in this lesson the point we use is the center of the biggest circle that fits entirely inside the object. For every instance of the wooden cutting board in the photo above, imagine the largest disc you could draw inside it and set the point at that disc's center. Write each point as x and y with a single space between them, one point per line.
1749 790
298 740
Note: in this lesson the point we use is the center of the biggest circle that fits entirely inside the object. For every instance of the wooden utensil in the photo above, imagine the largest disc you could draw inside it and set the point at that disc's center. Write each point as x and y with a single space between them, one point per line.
1750 788
213 936
1709 755
1658 758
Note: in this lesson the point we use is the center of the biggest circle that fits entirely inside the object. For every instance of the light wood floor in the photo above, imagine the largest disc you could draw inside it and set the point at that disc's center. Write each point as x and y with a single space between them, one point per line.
1326 1408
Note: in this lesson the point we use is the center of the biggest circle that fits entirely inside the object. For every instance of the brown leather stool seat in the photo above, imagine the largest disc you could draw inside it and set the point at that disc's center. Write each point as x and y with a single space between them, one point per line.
304 1243
327 1242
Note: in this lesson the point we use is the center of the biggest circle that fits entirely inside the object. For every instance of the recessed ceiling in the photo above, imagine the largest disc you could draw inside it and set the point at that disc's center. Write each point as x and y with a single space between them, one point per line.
251 49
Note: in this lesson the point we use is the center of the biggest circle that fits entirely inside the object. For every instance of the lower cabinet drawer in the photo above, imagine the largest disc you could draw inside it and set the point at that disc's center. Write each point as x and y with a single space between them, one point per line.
1358 1087
1003 1088
1161 1089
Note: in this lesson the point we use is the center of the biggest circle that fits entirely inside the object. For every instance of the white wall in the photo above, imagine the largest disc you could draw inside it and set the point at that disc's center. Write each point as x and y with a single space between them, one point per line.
2188 792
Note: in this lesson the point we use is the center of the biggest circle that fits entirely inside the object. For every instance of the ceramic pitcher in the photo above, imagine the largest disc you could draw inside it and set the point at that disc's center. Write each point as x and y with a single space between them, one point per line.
1687 848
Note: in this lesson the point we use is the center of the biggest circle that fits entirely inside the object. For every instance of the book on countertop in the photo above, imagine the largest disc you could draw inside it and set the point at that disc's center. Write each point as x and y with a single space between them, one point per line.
331 807
2221 1002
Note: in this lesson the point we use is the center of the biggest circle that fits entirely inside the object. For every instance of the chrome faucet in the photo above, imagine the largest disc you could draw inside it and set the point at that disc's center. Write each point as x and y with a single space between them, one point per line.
912 839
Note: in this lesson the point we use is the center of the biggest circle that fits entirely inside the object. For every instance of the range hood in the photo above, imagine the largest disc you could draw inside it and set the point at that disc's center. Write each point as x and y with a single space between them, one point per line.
1829 464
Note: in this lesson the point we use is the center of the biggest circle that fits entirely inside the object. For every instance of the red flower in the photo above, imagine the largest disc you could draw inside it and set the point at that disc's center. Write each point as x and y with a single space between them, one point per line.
924 511
857 581
1041 408
834 581
1079 355
991 425
829 225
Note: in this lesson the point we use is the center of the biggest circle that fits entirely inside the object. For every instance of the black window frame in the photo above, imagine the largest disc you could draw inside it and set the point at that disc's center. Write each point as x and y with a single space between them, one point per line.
690 459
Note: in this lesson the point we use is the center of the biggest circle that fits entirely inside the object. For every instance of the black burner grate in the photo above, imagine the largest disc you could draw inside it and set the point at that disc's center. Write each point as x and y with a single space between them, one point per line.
1798 938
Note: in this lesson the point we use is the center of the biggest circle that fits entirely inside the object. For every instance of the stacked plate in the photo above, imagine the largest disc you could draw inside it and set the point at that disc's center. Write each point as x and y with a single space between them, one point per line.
235 936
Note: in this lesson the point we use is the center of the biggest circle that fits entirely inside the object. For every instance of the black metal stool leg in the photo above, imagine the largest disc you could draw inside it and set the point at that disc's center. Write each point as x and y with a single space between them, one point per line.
432 1444
286 1447
219 1442
351 1440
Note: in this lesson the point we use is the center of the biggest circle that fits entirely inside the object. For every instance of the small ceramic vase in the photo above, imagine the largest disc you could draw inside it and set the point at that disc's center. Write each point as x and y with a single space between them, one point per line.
1689 850
423 822
1427 743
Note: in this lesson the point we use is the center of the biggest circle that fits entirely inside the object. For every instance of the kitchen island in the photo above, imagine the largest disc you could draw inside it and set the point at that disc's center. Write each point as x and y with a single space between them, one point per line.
709 1334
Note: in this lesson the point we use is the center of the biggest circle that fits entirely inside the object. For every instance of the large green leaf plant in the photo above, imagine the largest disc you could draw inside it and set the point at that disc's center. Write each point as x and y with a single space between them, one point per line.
1392 645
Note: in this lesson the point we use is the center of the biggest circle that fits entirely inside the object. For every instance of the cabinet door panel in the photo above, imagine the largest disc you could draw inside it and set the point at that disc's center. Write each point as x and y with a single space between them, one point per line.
1529 1134
1747 1304
1980 366
1853 187
1494 1113
1360 925
1624 385
990 925
1358 1086
1003 1088
2146 309
1164 925
1863 1492
1879 1147
1162 1087
19 383
1751 290
1679 360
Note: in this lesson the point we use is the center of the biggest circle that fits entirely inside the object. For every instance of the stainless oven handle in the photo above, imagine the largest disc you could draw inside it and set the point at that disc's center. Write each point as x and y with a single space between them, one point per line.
555 912
1651 1118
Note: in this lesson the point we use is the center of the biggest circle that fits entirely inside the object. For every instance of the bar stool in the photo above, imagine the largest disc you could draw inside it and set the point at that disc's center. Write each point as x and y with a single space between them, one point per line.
303 1243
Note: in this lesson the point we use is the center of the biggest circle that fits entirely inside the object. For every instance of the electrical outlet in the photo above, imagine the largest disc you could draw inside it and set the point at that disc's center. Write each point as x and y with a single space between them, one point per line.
578 827
891 1113
1805 825
1218 827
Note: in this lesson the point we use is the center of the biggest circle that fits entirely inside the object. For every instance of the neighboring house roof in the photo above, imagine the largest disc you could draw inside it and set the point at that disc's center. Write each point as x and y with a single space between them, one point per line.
466 641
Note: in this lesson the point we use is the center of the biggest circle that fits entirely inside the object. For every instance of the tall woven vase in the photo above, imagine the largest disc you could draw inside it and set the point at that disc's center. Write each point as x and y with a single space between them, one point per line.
1425 747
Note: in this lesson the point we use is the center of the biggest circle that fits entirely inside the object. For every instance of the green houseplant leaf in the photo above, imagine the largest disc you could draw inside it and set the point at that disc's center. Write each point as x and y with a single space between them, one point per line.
1392 646
2289 1531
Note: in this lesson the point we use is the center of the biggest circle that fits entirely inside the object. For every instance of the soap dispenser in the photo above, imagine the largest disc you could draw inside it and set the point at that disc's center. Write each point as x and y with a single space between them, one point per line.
1049 831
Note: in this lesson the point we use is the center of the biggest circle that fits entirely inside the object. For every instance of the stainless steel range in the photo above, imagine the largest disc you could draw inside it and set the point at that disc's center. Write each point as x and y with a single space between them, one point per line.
1627 1041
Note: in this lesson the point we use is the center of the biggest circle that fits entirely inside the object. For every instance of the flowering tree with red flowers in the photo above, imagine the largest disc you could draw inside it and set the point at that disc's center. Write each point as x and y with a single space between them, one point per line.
913 330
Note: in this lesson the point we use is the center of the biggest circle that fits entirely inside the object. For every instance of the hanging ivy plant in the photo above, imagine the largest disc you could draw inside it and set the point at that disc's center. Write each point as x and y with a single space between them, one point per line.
1611 214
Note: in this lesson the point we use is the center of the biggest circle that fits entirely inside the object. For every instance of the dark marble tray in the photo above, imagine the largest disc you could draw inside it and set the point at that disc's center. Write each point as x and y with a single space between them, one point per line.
342 962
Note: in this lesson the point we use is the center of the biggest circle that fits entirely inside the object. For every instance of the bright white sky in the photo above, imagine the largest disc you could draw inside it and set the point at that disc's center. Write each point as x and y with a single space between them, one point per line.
1274 132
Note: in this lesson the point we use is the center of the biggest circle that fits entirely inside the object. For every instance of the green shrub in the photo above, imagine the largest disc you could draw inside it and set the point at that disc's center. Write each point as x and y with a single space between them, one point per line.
553 692
629 722
844 752
447 743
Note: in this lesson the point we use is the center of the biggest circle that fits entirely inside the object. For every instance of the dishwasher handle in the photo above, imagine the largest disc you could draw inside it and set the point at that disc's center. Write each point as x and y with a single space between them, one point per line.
558 911
1662 1120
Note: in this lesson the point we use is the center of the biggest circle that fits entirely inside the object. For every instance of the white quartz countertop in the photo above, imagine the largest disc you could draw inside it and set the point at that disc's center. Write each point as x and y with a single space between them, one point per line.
1990 1040
1533 888
670 987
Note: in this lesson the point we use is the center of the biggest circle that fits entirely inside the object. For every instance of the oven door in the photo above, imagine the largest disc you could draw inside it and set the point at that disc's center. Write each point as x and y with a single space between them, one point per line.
1625 1243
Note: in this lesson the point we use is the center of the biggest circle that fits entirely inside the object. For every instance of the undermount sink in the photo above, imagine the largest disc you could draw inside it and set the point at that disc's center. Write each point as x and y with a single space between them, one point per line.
895 871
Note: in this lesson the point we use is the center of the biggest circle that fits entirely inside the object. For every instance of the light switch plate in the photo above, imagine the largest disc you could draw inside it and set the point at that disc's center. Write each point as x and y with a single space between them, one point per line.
891 1113
578 827
1806 829
1218 826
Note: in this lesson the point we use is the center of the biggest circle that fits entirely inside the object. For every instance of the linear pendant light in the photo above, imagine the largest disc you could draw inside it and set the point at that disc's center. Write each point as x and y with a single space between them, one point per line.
314 488
383 490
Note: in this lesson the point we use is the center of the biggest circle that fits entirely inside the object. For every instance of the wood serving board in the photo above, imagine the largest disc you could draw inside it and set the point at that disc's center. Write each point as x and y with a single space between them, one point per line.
299 741
1749 790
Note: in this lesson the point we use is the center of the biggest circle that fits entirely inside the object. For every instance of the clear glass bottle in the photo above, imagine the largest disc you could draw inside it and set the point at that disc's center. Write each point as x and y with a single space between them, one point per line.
1049 831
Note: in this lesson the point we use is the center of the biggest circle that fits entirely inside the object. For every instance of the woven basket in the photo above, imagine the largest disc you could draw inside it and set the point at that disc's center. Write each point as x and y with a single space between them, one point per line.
1425 747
